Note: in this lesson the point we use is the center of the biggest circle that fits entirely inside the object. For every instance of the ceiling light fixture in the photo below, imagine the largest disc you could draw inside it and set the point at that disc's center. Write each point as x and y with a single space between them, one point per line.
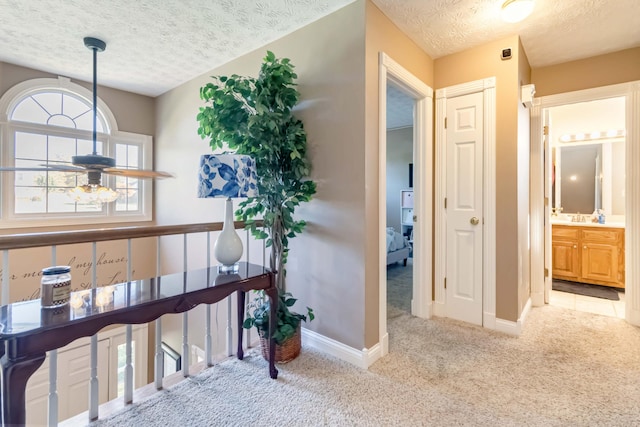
516 10
94 191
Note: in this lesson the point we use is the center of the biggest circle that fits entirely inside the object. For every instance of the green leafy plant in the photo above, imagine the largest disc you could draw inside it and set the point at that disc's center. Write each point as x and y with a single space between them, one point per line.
288 321
254 116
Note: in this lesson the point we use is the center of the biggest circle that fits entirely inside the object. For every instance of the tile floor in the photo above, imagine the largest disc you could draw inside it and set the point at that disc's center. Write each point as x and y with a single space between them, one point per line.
601 306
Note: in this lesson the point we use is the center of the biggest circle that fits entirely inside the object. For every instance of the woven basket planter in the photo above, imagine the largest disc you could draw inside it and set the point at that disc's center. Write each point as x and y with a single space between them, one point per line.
285 352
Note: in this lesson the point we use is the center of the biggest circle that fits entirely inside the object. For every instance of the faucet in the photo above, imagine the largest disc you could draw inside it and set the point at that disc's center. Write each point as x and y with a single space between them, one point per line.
578 218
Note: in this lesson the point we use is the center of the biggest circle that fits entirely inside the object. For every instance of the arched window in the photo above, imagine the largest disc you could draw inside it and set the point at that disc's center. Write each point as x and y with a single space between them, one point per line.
47 122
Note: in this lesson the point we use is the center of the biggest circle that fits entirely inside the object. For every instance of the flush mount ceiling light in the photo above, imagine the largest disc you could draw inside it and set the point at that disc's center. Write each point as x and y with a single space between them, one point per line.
516 10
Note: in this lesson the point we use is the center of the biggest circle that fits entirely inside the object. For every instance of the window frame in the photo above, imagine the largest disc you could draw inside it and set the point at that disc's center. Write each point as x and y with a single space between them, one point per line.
110 138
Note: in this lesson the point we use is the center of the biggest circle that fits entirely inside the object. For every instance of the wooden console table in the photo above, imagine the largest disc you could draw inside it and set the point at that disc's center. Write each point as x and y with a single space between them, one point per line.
27 331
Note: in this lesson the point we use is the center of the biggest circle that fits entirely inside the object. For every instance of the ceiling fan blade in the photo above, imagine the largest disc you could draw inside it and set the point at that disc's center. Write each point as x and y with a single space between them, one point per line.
137 173
60 168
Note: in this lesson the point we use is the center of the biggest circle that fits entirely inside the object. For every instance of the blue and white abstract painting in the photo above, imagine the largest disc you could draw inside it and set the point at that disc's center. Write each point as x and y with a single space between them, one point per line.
227 175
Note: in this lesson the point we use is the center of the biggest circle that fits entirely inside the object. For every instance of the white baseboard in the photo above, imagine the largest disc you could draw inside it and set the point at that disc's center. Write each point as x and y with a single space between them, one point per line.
439 309
632 316
423 311
361 358
537 299
514 328
385 345
489 320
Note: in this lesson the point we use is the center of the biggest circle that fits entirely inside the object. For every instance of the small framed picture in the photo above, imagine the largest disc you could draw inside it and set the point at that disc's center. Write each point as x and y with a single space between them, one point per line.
172 360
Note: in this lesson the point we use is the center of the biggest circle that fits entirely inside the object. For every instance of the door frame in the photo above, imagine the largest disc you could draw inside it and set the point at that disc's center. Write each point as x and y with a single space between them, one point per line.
390 70
488 88
631 92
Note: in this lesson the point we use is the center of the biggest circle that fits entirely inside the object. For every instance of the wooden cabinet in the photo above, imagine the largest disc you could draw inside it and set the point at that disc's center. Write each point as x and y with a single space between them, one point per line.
588 254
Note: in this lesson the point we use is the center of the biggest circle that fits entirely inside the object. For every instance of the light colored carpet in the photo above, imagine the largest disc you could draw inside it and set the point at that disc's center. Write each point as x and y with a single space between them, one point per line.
567 369
399 288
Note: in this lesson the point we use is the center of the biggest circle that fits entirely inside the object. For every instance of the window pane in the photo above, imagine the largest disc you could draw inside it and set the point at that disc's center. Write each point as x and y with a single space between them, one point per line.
61 120
121 155
29 178
59 201
133 152
85 121
74 107
129 196
89 207
61 149
30 146
50 101
85 146
30 200
29 111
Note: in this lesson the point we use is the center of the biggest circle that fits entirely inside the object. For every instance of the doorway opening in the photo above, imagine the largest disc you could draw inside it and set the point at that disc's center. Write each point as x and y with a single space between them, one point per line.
392 73
400 201
541 203
586 177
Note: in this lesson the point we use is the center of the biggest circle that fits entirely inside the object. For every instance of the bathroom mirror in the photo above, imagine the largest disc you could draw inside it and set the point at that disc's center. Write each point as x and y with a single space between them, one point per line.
587 141
589 176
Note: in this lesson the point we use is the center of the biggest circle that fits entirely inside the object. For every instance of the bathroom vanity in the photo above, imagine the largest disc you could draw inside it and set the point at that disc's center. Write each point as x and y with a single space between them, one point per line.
588 253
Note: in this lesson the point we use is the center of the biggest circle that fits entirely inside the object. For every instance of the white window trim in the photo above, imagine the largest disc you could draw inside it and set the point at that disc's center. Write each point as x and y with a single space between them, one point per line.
8 219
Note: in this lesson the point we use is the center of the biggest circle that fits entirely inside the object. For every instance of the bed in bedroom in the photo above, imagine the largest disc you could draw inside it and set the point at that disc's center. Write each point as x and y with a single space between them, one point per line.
397 247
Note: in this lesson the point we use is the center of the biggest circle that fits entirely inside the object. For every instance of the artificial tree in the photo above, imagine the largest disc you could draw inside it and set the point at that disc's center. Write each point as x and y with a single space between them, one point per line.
254 116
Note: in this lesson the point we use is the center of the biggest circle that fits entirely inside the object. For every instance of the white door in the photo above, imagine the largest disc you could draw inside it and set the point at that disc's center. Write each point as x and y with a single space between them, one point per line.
464 142
548 183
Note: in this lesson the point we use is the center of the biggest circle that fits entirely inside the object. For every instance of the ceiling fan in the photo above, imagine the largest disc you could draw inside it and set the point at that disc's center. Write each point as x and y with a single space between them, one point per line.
94 164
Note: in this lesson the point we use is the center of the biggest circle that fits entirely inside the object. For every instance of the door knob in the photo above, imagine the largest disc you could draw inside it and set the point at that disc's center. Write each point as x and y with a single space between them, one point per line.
415 218
474 221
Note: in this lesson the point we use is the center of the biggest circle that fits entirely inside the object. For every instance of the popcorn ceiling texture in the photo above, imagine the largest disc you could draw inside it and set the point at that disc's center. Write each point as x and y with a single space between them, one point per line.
156 45
152 45
556 31
399 108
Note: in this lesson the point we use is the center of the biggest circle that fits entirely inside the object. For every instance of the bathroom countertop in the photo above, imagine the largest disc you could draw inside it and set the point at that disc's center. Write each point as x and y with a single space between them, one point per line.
586 224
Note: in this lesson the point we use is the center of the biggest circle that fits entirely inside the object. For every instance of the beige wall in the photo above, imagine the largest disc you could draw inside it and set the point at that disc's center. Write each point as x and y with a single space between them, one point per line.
381 36
133 112
602 70
479 63
326 268
399 155
524 254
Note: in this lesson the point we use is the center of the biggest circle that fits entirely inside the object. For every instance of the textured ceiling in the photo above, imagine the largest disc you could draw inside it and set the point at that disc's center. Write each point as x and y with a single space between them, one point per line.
557 30
152 45
399 108
155 45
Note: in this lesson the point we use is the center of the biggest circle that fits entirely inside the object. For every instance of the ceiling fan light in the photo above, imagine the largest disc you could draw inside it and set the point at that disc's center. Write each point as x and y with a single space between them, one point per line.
93 193
516 10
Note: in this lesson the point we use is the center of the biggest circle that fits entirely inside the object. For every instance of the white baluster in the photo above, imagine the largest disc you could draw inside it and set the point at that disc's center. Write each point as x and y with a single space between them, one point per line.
229 328
53 392
53 370
94 390
159 371
185 321
128 368
207 335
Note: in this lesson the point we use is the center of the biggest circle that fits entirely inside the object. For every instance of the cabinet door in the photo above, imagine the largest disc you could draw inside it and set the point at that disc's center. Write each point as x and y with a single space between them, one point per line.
600 262
565 260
